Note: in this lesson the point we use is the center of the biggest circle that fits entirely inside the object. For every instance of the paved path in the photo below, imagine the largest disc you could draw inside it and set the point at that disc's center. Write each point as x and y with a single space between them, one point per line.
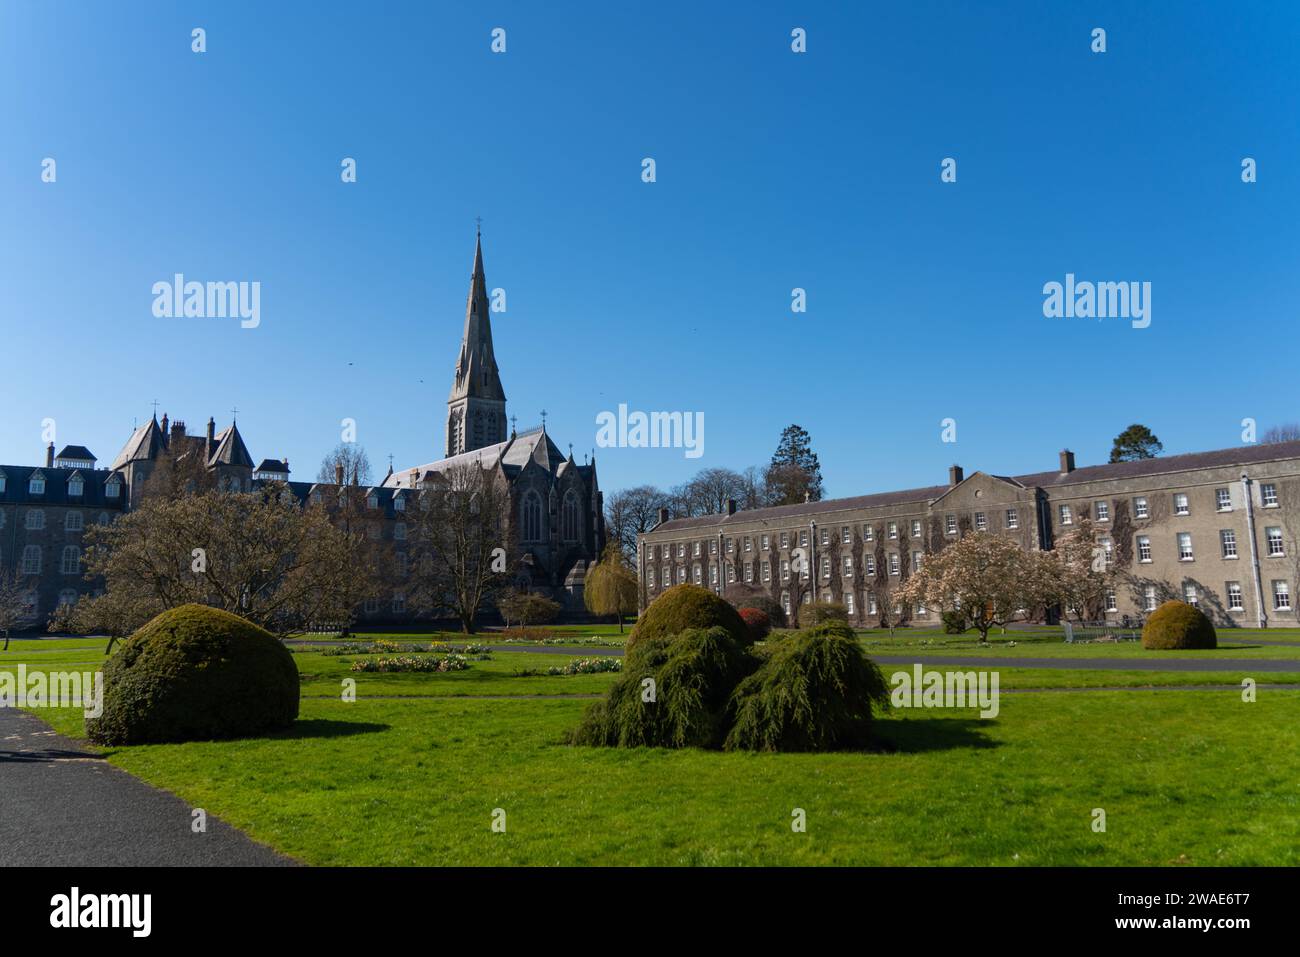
62 806
1097 664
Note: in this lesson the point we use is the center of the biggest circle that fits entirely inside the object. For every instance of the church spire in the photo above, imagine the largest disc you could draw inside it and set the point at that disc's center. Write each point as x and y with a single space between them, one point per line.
476 406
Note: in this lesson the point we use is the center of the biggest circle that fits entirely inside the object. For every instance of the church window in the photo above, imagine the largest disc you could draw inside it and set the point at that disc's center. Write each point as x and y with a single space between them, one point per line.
570 517
532 517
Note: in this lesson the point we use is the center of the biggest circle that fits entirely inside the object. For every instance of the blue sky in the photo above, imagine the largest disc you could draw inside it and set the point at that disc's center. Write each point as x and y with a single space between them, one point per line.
774 170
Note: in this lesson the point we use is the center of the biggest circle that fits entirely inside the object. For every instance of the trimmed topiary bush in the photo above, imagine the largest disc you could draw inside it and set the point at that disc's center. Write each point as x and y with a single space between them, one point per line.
693 675
759 625
813 693
683 607
1176 624
747 596
819 612
196 673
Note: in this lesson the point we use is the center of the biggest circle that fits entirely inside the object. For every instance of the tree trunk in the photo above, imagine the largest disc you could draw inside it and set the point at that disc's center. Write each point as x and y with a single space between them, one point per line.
619 616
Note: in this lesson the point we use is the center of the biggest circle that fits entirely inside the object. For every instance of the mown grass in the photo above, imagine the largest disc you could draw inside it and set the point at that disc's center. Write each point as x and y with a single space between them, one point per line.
411 772
1196 778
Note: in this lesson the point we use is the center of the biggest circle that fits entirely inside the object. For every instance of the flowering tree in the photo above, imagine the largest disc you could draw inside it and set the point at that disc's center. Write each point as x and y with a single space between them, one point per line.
989 578
1079 572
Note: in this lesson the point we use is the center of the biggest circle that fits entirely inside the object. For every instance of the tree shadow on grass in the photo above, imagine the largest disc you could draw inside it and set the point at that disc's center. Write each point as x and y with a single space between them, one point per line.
326 728
933 734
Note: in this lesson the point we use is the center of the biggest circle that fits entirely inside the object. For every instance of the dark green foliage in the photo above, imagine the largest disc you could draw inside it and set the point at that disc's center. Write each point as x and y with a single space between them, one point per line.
764 603
1135 443
196 673
1176 624
813 693
955 621
693 676
683 607
819 612
760 626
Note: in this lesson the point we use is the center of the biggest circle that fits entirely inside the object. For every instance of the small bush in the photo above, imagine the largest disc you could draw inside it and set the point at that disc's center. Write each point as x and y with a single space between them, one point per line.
819 612
954 622
813 693
527 608
693 675
685 607
759 625
196 673
1176 624
746 596
588 666
434 663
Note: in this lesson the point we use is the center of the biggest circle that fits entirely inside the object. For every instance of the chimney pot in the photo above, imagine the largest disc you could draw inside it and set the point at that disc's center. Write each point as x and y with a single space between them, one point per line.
1067 461
955 475
731 506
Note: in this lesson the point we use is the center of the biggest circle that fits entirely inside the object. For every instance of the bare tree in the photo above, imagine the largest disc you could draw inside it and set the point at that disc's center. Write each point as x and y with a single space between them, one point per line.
1288 432
13 607
348 460
632 512
259 554
463 542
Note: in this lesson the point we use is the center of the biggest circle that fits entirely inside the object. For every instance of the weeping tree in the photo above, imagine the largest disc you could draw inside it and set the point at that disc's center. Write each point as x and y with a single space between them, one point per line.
610 587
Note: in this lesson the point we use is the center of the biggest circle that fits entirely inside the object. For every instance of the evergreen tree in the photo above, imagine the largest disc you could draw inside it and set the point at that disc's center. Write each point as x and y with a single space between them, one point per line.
1134 443
794 474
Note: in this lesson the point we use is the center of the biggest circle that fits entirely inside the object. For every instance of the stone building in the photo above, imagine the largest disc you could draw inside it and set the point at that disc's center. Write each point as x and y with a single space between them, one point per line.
555 501
1217 529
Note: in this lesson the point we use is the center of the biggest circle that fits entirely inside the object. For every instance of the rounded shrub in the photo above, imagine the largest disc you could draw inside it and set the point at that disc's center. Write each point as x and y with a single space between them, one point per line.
684 607
818 612
1176 624
814 692
196 673
693 675
749 596
758 623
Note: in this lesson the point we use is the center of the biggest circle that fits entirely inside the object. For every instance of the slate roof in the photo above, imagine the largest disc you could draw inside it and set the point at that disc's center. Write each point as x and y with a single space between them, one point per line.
144 445
230 449
513 454
273 465
17 482
1242 455
75 452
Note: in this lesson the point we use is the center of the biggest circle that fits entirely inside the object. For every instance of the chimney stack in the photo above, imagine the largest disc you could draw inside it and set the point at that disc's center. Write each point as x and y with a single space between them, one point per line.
663 515
955 475
163 425
212 428
731 506
338 473
49 456
1067 461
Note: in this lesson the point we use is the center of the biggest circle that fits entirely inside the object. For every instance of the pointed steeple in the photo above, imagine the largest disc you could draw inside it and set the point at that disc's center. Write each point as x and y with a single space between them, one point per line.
476 368
476 406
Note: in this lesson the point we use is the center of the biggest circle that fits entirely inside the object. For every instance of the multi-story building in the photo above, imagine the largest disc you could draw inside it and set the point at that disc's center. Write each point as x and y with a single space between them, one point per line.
555 501
1217 529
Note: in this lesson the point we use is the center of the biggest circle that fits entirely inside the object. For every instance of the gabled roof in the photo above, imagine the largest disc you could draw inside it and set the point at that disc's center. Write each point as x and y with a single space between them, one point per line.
143 446
1243 455
514 454
230 449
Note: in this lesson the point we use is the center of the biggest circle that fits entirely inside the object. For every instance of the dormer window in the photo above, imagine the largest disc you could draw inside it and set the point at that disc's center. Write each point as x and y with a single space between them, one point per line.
399 503
113 489
36 485
372 501
76 487
2 483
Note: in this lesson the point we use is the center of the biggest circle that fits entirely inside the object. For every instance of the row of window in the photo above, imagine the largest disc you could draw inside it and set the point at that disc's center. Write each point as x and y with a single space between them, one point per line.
1182 505
32 560
73 521
76 487
1273 545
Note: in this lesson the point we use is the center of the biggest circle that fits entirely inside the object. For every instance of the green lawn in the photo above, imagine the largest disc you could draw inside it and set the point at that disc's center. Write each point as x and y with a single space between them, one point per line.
411 772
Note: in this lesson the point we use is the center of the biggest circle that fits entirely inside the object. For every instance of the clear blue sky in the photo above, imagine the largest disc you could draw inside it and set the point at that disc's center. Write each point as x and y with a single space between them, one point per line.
775 170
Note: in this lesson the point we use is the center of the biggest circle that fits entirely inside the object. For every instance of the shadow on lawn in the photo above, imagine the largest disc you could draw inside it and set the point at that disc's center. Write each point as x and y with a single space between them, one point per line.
935 734
325 728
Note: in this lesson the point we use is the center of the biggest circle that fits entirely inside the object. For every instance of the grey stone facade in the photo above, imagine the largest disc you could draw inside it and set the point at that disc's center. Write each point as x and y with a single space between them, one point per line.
1217 528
